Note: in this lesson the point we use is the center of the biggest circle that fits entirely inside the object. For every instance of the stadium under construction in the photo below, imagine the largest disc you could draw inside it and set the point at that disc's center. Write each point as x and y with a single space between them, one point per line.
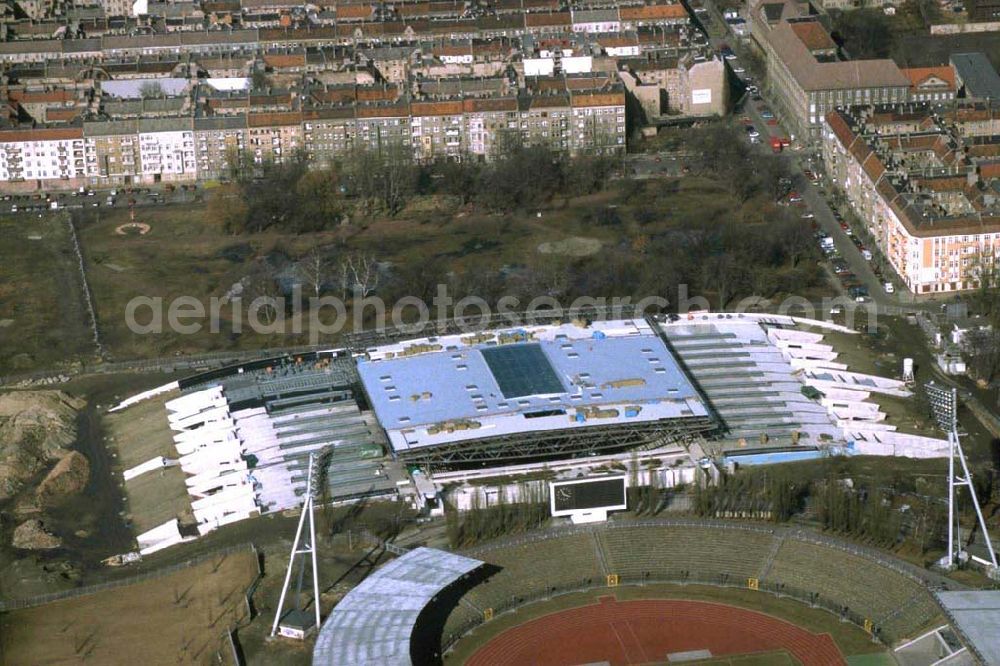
404 417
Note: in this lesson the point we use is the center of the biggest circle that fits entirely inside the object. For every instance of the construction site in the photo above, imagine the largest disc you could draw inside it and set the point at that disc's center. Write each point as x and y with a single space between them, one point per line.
483 412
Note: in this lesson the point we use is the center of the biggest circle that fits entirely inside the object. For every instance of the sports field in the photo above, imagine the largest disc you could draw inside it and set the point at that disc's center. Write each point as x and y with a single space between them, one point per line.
656 624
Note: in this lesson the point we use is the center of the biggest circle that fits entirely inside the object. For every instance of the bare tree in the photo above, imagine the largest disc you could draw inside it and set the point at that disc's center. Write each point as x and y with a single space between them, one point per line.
151 89
359 272
313 269
261 283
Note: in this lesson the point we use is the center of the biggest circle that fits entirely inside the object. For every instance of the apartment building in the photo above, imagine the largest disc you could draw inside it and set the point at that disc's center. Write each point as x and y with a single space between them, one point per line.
274 137
805 75
166 150
929 196
932 84
42 154
443 80
218 143
667 85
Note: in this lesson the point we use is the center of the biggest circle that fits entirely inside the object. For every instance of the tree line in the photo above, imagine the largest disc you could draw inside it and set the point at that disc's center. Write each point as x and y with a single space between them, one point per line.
482 522
290 196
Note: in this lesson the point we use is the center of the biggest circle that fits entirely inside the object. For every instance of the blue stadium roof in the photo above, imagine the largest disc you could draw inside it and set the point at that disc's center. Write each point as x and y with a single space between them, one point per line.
537 383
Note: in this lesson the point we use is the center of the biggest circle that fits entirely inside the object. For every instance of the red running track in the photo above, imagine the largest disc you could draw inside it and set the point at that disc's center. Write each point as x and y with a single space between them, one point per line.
642 631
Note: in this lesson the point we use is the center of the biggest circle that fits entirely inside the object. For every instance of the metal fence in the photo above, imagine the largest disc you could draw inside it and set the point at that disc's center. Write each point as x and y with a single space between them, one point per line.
31 602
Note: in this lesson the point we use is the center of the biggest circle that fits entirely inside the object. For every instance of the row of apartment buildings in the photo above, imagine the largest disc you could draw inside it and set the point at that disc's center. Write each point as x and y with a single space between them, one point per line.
177 105
179 149
926 185
808 78
119 44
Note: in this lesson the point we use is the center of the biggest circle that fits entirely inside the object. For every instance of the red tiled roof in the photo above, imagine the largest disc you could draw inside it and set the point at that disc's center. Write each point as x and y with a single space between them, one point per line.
989 170
436 108
542 19
395 111
61 113
452 50
652 12
414 9
361 12
274 119
813 35
45 134
919 75
599 99
549 101
40 96
495 104
284 60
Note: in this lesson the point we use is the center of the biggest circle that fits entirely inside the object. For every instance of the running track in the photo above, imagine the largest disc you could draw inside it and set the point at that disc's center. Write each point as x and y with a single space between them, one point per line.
636 632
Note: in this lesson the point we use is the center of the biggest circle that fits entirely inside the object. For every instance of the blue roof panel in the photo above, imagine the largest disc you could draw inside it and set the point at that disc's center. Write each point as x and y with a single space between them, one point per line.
457 383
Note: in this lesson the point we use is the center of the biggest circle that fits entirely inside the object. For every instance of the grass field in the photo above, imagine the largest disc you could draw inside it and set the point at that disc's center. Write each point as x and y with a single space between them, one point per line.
43 322
850 639
178 618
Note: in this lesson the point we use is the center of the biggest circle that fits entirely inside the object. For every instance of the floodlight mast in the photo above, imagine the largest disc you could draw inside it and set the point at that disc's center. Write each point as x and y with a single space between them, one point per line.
944 403
306 549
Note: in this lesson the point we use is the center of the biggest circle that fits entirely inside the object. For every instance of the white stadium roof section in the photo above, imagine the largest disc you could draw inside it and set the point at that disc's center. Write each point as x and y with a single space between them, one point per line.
442 390
746 378
976 614
373 623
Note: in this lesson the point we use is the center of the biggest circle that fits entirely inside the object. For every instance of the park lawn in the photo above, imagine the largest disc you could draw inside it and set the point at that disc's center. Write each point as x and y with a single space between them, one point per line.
186 253
849 639
43 320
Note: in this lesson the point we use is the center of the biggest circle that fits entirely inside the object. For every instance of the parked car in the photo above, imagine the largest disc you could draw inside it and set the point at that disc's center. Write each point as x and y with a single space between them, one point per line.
766 114
890 288
794 197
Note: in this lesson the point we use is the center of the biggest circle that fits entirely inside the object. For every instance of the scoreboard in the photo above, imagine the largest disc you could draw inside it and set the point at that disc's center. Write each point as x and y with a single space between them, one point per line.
582 497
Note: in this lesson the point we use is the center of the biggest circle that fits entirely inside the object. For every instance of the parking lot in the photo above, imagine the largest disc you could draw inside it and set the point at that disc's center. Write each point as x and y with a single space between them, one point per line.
86 198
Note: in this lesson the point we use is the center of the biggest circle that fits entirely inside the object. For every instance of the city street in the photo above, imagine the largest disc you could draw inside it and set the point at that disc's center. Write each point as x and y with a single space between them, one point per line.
37 203
815 197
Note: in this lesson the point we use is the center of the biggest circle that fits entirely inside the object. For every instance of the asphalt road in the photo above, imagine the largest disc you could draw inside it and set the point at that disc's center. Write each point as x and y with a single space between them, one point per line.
27 204
815 198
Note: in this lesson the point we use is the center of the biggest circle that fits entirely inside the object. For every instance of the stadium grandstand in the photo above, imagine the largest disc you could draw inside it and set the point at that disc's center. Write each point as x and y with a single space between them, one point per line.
547 398
975 614
417 606
750 385
873 590
375 623
549 391
244 435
